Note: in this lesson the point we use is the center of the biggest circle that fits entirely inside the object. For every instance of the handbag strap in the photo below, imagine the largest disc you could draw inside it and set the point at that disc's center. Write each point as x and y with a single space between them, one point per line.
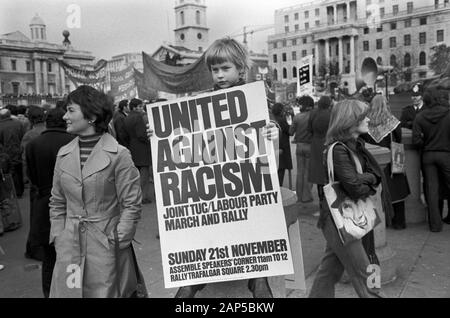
330 163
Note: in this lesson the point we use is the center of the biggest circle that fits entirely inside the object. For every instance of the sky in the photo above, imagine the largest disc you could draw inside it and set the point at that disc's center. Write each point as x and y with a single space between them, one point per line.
112 27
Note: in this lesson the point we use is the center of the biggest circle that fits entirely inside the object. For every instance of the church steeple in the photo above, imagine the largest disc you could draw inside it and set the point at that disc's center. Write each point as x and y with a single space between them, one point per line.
191 30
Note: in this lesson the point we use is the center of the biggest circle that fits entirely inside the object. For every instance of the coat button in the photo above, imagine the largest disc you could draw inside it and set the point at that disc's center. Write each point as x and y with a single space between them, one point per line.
82 228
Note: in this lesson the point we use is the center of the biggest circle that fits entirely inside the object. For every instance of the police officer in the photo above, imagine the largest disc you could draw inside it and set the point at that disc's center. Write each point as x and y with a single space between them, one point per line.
409 112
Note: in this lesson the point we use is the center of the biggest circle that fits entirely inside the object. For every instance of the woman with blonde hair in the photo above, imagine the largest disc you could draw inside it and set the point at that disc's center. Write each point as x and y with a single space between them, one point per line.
347 122
384 128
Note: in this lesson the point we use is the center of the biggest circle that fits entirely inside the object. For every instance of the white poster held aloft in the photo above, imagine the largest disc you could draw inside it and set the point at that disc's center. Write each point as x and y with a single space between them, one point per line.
218 199
305 76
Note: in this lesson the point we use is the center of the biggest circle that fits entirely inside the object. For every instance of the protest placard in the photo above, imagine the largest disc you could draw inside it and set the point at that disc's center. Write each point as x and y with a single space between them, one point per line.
218 198
305 76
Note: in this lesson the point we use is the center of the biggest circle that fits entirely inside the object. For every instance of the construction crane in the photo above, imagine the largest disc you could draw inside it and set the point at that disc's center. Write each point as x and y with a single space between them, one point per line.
258 28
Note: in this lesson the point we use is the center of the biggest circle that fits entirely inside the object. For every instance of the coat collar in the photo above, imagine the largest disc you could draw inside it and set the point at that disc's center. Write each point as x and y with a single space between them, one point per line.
97 161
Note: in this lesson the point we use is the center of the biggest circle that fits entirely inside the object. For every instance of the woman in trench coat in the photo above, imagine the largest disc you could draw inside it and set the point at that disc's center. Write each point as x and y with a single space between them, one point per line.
95 205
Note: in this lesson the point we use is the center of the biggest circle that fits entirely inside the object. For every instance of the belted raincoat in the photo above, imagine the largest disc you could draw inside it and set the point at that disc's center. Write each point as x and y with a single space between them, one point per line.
91 210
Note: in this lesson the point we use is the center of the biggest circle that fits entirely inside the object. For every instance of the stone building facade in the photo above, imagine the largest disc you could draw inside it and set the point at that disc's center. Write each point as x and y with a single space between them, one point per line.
341 34
28 65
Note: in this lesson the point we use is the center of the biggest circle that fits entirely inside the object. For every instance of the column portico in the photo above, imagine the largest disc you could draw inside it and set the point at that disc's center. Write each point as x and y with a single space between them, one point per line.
352 54
341 56
37 75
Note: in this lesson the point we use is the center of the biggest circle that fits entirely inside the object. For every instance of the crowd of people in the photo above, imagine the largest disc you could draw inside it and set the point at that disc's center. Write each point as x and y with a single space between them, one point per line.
89 170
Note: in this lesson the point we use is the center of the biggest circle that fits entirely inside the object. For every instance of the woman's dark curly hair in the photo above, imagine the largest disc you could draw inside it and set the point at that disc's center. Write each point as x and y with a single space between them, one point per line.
93 103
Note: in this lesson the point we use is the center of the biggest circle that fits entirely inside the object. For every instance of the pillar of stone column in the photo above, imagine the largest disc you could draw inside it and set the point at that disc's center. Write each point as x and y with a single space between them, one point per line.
352 54
335 14
415 211
384 252
62 78
348 11
341 56
37 75
327 54
44 72
316 56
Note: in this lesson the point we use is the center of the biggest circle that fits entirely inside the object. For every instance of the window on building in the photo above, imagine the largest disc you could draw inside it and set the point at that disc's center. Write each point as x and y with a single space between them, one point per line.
197 17
294 55
182 17
284 72
440 35
296 16
380 28
49 67
366 30
305 40
306 26
422 58
284 43
407 60
275 58
408 23
348 48
422 74
382 12
408 76
409 7
28 66
366 46
436 4
392 42
395 9
275 45
422 37
313 51
14 65
393 25
317 23
379 60
182 36
284 57
317 12
407 39
304 53
275 75
393 60
15 88
379 44
199 36
337 50
393 79
296 27
294 42
286 18
294 72
306 14
286 29
368 2
423 21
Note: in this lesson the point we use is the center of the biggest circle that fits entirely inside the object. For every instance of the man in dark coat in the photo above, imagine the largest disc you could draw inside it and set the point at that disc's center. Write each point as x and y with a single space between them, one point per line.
431 133
139 145
119 123
11 134
41 157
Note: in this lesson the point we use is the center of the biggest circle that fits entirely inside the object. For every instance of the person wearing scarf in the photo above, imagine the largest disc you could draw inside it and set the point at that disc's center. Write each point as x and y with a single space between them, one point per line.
385 128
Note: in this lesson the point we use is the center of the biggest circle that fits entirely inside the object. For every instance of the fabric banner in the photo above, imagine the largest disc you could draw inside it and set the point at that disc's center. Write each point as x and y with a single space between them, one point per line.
123 85
78 76
219 204
143 91
177 79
